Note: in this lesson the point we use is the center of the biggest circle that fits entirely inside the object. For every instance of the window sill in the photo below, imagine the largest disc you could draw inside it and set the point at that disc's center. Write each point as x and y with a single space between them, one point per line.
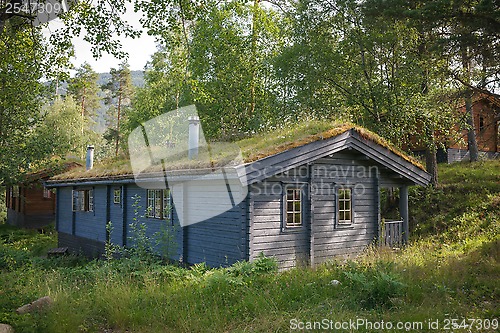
344 226
292 229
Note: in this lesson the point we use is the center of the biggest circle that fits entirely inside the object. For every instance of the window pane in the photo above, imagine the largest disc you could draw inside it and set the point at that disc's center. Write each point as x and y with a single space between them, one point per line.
117 196
158 203
166 204
81 200
91 200
150 209
293 207
345 206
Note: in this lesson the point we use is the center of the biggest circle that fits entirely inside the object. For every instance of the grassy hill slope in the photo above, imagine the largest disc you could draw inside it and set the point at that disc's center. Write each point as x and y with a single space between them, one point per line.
449 272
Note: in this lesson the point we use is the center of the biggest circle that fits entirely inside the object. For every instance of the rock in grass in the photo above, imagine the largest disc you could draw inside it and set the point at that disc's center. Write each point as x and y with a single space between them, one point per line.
334 283
37 305
4 328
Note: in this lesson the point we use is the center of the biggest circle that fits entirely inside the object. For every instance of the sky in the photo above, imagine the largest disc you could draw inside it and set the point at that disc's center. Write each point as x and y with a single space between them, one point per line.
139 49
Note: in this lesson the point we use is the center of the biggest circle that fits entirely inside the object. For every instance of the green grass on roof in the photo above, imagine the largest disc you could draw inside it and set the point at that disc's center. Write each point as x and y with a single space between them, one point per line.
271 143
254 148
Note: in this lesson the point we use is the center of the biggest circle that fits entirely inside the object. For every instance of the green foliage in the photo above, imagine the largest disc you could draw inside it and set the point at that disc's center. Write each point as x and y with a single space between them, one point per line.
85 91
3 206
19 249
469 192
111 250
374 286
165 240
217 55
21 97
141 245
166 87
118 91
64 131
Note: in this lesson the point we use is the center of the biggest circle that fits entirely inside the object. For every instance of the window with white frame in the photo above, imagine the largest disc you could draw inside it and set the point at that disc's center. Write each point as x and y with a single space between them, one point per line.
117 196
293 207
159 204
47 194
344 204
83 200
15 191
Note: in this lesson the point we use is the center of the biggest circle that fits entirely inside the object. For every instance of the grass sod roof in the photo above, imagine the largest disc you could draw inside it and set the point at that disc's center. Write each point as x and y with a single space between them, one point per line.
46 170
254 148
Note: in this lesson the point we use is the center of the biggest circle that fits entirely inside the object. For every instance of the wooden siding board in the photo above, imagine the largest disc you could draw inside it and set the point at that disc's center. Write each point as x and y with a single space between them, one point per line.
116 216
286 247
64 210
267 219
92 225
329 240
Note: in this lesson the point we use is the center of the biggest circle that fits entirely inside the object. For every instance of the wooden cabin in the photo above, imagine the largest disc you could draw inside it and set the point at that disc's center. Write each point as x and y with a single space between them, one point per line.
29 203
303 197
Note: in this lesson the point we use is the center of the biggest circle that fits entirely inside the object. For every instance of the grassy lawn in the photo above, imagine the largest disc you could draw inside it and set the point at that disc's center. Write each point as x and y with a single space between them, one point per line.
450 271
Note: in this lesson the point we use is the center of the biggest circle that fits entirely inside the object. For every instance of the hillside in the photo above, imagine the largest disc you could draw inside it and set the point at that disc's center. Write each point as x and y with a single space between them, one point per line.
137 78
445 280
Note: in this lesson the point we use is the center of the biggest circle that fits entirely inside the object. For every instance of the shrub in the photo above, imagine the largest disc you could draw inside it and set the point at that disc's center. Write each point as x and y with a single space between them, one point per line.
374 286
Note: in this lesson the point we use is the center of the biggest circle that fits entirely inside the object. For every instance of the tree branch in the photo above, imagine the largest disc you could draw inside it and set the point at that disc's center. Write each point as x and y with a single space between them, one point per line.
470 86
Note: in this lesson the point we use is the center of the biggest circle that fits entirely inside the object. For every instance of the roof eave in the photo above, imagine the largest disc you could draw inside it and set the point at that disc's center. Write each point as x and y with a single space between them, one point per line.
267 167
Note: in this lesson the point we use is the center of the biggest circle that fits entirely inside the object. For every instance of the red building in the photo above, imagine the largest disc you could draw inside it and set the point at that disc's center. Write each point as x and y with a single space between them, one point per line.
486 113
29 203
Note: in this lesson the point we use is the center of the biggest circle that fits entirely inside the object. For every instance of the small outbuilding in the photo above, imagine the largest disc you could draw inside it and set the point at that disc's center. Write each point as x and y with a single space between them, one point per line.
29 203
302 196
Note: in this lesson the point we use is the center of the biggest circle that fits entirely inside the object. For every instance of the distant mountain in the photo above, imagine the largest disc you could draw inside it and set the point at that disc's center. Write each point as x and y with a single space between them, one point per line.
137 78
137 81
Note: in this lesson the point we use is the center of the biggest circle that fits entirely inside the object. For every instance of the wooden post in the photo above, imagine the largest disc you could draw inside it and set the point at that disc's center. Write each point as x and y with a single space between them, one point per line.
185 228
311 193
403 210
376 186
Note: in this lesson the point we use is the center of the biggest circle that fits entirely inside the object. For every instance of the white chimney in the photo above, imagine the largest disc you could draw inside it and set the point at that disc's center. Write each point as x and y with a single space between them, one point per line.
194 137
90 158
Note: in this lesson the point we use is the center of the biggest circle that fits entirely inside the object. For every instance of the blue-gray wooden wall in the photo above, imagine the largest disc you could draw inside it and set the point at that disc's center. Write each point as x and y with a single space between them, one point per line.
219 241
92 225
320 239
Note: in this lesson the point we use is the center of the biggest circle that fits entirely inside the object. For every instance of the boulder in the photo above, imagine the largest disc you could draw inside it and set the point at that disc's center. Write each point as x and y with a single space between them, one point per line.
4 328
334 283
37 305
